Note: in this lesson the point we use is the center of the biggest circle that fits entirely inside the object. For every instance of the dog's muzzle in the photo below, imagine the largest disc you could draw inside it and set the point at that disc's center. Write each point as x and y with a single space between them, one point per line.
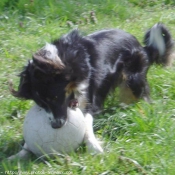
58 123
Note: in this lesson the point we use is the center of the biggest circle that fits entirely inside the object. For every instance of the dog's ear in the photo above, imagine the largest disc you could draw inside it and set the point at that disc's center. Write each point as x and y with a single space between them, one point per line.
24 88
41 76
47 60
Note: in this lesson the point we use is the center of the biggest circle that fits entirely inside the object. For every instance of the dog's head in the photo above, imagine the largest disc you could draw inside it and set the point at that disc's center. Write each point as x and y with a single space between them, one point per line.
54 77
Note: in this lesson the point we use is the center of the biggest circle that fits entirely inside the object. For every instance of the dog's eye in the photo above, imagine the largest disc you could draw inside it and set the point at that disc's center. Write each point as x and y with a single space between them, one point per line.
55 98
48 99
52 99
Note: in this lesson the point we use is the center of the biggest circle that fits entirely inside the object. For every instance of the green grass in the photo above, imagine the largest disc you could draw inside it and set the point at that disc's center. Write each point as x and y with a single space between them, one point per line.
143 132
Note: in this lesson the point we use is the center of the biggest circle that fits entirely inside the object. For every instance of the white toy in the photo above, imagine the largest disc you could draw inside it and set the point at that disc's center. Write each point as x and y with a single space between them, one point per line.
42 139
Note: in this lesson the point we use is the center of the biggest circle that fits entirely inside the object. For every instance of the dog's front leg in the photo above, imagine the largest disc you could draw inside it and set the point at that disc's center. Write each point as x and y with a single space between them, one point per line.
91 142
23 154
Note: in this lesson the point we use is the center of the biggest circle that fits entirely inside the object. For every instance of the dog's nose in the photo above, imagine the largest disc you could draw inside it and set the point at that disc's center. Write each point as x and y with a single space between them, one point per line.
58 123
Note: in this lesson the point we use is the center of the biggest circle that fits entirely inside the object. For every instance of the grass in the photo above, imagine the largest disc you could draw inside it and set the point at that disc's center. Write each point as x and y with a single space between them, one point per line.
142 133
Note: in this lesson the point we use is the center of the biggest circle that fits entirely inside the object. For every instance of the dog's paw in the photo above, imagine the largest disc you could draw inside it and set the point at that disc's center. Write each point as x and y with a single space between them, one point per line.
24 154
93 146
11 157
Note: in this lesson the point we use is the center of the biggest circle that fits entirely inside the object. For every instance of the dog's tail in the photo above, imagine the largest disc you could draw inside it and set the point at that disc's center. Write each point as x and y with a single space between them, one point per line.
159 45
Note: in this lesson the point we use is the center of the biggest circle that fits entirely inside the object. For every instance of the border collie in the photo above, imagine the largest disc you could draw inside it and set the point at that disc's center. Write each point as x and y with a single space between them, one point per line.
84 69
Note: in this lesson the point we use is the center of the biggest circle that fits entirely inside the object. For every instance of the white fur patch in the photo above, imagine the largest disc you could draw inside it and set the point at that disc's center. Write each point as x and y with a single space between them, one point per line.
80 94
51 51
82 87
30 61
156 39
92 143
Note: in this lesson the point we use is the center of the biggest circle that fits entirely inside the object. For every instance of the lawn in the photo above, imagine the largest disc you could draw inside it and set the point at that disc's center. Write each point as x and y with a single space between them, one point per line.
139 139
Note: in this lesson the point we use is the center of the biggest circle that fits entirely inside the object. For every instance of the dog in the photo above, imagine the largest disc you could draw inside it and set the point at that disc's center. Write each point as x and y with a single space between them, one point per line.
77 69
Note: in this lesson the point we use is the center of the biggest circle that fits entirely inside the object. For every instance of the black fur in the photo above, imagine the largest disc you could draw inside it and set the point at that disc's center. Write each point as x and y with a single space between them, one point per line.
88 67
152 50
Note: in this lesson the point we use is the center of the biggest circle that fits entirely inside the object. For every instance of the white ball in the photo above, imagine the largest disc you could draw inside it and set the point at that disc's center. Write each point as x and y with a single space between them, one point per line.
42 139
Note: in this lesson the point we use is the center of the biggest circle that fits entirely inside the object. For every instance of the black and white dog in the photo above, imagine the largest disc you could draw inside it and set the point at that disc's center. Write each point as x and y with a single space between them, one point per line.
83 69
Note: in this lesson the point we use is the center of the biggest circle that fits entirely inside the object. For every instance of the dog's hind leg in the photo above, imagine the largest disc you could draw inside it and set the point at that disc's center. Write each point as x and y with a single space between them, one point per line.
126 95
23 154
133 90
90 140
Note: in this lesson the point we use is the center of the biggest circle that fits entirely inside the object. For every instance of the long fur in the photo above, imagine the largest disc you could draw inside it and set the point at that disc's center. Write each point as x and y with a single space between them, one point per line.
159 45
87 68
